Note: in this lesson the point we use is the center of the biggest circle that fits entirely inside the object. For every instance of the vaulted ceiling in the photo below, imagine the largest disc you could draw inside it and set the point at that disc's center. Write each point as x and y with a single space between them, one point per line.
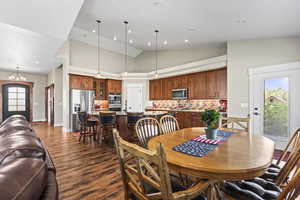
32 31
200 22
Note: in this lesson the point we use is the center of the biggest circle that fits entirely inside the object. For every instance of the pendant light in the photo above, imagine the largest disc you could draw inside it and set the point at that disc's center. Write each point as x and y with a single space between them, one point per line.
17 76
98 75
126 47
156 56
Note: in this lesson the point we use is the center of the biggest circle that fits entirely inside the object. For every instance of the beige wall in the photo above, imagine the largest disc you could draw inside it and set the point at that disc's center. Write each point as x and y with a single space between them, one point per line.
39 84
55 77
246 54
85 56
145 62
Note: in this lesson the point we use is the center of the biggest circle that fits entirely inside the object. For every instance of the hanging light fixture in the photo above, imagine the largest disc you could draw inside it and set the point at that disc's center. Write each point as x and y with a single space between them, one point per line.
156 56
98 75
126 47
17 76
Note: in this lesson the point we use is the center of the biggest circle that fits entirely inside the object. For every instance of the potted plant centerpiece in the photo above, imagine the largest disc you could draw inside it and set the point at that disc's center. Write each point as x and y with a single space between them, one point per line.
211 117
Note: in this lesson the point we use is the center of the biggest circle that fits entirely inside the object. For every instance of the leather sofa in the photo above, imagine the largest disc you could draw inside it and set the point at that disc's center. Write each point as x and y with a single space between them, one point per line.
27 171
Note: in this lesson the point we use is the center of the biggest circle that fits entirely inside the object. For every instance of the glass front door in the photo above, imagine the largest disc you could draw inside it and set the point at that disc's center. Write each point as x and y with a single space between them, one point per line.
16 100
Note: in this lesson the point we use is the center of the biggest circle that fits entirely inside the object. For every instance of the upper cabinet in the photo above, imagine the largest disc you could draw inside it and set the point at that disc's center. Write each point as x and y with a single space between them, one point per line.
202 85
166 88
99 86
155 89
81 82
197 86
180 82
217 84
114 86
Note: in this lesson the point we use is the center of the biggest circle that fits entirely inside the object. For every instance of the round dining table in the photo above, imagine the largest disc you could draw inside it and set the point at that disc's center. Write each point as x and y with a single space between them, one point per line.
242 156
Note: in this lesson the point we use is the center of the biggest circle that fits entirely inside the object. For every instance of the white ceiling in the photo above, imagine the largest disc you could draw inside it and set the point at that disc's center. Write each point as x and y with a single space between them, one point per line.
202 22
106 43
33 31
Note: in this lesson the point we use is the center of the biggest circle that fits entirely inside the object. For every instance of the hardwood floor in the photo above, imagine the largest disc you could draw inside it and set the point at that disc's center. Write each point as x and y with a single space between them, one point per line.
84 171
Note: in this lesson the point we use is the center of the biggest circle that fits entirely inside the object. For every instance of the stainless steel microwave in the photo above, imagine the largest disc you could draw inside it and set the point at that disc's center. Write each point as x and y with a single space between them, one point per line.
179 93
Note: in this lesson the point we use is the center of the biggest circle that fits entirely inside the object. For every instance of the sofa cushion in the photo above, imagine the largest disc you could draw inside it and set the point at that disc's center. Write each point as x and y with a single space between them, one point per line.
23 179
13 117
17 124
18 131
18 146
51 190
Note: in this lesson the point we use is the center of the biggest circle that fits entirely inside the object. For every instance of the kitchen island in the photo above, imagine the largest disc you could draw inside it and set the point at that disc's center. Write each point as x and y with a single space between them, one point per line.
122 124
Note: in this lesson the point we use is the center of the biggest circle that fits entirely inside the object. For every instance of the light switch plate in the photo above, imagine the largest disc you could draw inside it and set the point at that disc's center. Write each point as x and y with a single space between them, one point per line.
244 105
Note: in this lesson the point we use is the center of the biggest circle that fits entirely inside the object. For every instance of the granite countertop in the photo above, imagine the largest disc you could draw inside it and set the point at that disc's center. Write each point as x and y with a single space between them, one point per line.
176 109
122 113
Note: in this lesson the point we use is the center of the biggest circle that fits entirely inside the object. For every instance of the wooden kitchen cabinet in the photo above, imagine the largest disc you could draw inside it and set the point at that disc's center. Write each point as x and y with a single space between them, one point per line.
99 86
167 87
180 82
114 86
155 89
197 86
222 83
180 119
201 85
187 119
216 83
81 82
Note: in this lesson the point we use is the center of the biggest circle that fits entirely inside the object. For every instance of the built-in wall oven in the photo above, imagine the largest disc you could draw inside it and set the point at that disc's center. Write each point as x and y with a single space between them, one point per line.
179 94
114 101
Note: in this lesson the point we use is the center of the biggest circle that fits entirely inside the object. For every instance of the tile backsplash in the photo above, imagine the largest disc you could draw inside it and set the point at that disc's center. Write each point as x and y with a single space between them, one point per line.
187 104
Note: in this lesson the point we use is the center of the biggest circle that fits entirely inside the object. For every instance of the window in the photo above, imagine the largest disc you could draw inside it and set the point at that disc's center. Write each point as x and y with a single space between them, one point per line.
16 99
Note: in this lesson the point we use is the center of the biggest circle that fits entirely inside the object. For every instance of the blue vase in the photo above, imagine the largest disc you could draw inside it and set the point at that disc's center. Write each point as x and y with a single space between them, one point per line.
211 133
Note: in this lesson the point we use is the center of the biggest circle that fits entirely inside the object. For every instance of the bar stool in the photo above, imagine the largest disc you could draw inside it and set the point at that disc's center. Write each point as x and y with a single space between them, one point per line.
132 118
108 121
87 128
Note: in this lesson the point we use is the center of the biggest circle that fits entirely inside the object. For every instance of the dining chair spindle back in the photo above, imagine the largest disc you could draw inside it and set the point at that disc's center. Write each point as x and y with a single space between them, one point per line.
168 124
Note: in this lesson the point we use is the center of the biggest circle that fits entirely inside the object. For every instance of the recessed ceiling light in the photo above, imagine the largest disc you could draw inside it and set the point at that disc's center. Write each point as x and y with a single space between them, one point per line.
130 41
241 21
156 3
165 42
129 31
115 38
37 62
94 31
149 44
192 29
186 41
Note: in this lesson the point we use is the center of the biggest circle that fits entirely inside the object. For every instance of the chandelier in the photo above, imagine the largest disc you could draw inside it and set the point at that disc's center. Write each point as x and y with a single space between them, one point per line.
17 76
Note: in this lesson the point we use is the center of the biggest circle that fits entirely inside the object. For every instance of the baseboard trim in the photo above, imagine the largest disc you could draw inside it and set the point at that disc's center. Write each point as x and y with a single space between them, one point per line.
58 124
39 120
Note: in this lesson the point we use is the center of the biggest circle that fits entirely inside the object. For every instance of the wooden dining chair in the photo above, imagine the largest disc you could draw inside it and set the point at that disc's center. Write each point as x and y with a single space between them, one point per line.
168 124
288 170
234 124
290 192
287 164
146 176
294 142
146 128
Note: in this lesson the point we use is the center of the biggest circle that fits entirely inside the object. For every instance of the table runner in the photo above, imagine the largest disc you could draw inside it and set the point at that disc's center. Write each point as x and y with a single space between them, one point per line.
200 146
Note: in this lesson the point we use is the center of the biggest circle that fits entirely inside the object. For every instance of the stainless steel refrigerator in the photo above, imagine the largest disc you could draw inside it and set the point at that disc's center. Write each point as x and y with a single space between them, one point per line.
80 100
